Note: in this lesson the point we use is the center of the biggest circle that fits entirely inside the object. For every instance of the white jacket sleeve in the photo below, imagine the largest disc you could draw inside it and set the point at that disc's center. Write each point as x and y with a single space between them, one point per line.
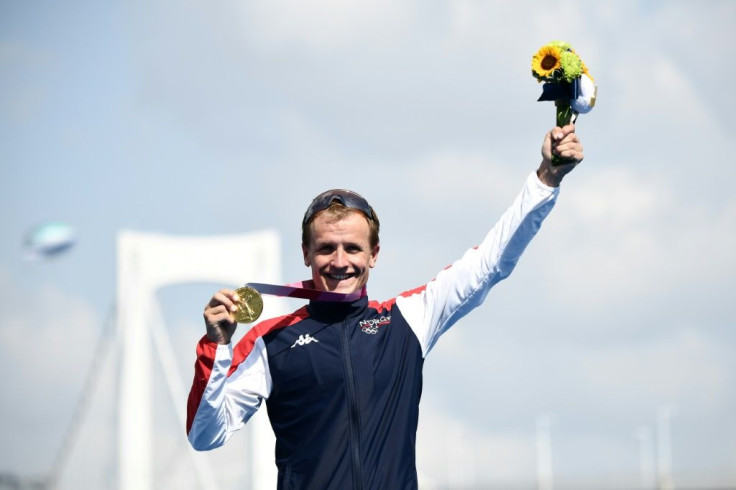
223 400
432 309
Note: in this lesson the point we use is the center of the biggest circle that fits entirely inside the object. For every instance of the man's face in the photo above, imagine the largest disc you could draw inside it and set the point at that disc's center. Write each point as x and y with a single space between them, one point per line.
340 254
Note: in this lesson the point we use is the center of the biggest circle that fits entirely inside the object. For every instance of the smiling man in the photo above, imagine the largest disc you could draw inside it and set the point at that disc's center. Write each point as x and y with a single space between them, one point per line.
340 241
342 380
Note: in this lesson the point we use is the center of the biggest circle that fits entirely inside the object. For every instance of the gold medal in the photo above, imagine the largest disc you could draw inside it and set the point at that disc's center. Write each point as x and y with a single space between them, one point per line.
250 305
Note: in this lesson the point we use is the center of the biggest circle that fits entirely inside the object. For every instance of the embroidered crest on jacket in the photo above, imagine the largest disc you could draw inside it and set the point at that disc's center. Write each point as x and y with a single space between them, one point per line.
372 325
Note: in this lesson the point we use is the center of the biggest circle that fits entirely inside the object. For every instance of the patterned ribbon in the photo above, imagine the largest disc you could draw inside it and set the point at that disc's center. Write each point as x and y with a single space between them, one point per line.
300 290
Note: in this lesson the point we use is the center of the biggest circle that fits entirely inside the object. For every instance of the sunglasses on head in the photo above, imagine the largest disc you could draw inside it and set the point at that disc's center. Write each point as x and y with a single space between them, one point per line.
347 198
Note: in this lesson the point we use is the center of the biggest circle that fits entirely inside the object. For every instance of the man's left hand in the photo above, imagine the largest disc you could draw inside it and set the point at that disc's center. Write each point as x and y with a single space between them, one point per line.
562 142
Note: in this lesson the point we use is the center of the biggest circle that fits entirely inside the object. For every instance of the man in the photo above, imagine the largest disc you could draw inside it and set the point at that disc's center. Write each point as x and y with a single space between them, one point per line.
342 381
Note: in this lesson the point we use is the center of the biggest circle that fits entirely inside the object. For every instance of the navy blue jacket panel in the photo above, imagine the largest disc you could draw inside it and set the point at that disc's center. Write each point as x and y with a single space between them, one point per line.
346 386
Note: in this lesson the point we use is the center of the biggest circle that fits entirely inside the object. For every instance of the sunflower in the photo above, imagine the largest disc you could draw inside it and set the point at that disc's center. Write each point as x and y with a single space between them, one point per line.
546 61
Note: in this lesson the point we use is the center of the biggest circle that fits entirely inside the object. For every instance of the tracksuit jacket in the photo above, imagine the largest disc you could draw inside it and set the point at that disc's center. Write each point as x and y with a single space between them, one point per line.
342 381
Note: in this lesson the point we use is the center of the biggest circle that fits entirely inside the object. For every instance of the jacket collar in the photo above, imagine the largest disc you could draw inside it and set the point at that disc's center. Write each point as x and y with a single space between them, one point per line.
334 312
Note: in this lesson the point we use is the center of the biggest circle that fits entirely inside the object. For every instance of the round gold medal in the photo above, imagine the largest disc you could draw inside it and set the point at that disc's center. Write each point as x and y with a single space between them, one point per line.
250 305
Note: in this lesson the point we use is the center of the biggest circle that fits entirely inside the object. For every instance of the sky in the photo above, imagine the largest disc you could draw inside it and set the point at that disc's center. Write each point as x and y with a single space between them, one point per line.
198 119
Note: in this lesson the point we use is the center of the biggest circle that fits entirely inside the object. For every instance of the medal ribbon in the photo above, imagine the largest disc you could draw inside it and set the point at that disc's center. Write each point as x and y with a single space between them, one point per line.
298 290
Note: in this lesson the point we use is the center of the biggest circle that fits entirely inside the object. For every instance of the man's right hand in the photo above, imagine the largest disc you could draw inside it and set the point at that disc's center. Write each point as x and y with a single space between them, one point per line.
218 316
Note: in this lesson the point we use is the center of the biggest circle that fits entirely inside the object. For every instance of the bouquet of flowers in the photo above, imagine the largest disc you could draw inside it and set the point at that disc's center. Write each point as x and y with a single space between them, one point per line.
566 81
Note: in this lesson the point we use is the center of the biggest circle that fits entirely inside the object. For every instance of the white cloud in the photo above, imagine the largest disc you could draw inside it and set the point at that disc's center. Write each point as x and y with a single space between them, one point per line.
47 339
628 234
460 177
41 335
655 87
617 197
325 25
512 33
457 453
668 370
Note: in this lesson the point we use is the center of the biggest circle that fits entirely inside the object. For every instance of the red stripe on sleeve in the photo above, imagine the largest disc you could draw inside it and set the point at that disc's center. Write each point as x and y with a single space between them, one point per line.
386 305
206 351
202 369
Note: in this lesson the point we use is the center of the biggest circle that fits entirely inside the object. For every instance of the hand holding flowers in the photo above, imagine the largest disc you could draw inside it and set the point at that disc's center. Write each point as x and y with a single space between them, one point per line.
566 81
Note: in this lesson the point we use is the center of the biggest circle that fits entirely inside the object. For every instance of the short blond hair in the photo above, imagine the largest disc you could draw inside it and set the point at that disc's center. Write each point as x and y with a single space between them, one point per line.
338 211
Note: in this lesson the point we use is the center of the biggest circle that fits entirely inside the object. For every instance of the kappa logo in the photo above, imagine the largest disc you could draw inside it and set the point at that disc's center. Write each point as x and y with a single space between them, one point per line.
304 340
371 326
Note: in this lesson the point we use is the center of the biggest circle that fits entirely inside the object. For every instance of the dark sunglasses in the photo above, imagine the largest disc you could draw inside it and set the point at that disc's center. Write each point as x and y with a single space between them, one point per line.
347 198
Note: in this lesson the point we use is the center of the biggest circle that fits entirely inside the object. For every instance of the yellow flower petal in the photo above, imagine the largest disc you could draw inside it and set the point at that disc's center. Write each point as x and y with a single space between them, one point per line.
546 61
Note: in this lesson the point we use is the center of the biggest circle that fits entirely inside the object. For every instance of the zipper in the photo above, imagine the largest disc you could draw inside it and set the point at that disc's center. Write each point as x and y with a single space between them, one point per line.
287 477
353 413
